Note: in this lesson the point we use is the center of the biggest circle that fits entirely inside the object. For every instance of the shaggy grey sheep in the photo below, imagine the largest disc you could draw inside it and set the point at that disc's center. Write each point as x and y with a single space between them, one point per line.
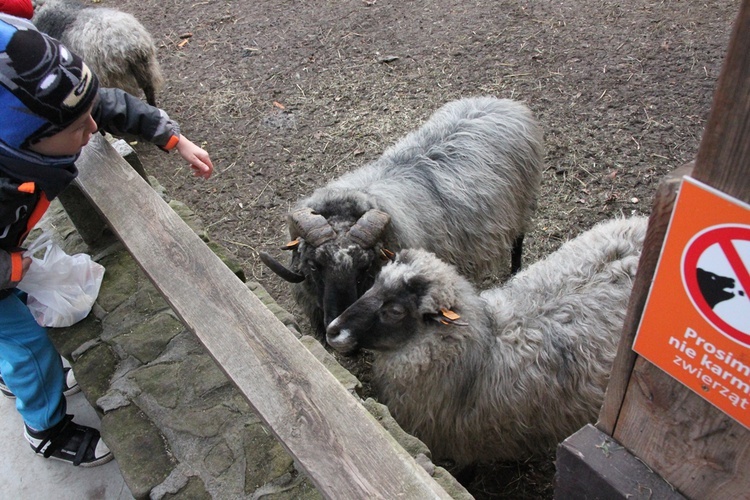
463 186
505 373
114 44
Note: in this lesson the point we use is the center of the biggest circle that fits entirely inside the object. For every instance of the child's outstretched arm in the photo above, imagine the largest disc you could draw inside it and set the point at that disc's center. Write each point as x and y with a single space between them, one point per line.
198 158
120 113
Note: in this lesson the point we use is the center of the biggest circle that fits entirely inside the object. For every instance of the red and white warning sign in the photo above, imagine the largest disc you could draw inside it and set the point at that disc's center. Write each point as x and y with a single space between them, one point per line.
696 323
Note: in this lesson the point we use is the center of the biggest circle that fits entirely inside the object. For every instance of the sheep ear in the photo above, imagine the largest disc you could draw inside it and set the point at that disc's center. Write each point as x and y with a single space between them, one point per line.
291 245
448 317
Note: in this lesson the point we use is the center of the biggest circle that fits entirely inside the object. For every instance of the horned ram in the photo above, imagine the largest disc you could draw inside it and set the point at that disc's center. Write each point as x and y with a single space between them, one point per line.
464 186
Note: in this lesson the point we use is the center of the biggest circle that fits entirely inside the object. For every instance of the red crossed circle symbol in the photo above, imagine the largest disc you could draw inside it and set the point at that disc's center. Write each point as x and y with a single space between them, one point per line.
725 237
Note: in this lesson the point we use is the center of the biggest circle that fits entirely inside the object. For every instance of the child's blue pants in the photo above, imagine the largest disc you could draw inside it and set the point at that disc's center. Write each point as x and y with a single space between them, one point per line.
30 365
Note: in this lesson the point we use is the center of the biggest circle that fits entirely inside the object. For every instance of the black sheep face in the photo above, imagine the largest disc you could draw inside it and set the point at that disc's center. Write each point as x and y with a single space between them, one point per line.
337 273
383 319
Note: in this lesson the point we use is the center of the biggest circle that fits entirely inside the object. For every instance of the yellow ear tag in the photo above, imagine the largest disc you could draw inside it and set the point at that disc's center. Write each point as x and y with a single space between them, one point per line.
448 317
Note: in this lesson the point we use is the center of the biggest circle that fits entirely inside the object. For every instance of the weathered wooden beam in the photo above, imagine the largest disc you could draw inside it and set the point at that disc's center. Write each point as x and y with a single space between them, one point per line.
343 449
591 465
89 225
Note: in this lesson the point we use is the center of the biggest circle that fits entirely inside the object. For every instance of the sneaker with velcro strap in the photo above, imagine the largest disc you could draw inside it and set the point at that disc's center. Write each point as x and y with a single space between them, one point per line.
71 385
70 442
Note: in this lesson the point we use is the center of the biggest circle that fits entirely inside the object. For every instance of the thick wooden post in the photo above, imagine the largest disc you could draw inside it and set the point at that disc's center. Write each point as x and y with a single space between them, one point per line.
697 448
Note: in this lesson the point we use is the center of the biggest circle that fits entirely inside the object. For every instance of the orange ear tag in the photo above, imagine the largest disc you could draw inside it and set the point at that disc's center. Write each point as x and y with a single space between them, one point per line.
387 254
447 313
291 245
448 317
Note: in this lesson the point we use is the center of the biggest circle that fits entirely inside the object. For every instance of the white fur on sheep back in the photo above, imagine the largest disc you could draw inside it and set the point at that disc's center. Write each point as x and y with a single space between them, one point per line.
115 45
485 157
533 364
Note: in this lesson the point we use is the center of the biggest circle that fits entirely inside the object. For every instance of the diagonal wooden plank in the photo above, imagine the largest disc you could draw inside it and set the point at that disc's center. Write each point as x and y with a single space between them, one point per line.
343 449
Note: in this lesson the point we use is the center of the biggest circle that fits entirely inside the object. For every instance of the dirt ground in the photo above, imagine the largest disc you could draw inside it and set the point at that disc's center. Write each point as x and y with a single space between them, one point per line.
287 95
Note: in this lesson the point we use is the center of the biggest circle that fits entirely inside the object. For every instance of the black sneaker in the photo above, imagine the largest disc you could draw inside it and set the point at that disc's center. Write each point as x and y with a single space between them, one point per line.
4 389
70 442
71 385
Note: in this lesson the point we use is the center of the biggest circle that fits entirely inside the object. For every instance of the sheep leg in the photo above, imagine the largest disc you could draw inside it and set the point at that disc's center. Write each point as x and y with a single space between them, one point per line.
150 95
515 255
466 475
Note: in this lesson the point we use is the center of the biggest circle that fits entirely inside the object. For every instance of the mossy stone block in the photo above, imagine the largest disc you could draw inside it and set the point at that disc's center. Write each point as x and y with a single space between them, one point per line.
140 449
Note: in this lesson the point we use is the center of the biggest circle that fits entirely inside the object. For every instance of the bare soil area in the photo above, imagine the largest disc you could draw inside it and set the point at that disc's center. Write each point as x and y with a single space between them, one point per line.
287 95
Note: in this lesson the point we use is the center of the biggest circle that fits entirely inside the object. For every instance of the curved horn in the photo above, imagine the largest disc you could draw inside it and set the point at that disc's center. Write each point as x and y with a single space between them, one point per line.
311 226
277 267
369 227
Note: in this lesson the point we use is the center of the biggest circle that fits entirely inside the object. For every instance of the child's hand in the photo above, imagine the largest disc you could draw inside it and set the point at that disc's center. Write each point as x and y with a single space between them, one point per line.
198 158
26 263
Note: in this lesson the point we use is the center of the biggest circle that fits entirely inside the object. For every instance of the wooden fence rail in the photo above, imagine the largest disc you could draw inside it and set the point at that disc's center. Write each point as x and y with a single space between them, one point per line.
344 450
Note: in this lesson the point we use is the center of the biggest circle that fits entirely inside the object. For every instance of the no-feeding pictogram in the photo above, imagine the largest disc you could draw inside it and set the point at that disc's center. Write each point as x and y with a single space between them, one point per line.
716 274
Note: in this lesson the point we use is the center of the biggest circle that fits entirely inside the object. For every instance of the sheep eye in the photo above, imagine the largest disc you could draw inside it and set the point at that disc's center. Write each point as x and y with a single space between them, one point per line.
393 312
314 266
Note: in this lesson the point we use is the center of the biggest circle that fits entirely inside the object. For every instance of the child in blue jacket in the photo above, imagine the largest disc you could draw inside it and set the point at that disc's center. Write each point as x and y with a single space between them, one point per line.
50 105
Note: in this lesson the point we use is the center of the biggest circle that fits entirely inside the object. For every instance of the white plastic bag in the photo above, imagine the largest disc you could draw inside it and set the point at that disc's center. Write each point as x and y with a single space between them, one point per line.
62 288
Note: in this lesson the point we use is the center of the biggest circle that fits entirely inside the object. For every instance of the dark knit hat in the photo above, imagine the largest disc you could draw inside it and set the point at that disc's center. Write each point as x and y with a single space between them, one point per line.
44 87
